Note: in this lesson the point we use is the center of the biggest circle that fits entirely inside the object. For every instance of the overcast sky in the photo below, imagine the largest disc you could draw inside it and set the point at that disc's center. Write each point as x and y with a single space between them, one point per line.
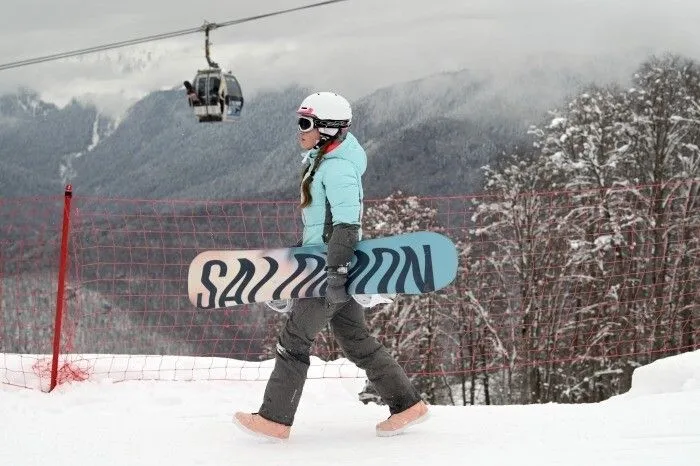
353 47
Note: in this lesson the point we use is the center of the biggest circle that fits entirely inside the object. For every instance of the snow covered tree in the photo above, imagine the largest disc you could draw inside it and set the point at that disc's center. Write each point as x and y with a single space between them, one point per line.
516 256
467 331
589 244
666 107
589 146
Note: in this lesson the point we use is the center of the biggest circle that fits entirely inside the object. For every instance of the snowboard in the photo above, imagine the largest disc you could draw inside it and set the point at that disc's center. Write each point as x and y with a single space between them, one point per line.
409 263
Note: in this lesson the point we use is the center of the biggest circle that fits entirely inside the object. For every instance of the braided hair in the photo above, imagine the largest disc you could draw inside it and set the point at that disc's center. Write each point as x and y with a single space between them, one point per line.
306 180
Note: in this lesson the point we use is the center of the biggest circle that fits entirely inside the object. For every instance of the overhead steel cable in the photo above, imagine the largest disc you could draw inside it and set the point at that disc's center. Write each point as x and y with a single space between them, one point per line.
155 37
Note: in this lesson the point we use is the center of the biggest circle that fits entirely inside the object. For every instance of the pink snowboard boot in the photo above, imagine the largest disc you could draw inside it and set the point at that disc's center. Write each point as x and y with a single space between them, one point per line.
398 422
256 425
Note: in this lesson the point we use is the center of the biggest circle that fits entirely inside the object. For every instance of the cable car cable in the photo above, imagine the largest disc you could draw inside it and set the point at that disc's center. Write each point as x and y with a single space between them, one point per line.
155 37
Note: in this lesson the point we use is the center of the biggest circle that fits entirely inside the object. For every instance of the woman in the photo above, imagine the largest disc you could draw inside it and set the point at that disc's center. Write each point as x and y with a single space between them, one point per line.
331 201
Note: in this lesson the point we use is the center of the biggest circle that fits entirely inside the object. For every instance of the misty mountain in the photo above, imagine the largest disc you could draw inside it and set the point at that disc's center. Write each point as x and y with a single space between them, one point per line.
38 142
427 137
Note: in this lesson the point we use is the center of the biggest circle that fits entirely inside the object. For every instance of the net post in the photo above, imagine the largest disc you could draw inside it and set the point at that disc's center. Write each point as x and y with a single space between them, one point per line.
63 265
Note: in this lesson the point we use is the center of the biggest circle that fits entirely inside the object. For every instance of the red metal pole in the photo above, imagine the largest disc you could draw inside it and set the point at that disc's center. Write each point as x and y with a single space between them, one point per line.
61 286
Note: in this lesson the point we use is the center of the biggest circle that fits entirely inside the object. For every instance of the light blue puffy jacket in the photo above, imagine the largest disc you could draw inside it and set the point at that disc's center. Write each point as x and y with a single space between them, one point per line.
338 179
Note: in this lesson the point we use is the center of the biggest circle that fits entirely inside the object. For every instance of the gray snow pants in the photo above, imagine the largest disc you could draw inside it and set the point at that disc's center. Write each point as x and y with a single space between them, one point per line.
307 318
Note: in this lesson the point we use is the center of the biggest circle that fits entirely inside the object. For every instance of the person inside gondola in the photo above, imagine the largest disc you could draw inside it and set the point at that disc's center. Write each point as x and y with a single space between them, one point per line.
192 97
214 95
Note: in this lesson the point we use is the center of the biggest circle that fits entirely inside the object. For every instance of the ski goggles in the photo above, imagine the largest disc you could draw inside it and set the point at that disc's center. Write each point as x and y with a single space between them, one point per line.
306 124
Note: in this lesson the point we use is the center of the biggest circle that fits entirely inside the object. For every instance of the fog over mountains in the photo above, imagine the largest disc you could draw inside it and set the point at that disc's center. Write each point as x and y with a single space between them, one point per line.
428 136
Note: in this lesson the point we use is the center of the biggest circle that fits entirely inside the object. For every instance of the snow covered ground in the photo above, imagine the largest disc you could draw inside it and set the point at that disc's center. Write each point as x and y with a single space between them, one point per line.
103 422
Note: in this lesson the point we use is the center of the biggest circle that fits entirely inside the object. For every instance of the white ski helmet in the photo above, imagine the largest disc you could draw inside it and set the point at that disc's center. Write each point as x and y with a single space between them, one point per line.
329 111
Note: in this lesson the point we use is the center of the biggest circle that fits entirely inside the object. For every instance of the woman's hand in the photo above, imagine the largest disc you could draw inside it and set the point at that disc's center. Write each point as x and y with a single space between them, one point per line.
335 287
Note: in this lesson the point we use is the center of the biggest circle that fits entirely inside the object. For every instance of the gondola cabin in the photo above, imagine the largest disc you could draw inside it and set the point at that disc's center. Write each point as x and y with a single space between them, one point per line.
215 96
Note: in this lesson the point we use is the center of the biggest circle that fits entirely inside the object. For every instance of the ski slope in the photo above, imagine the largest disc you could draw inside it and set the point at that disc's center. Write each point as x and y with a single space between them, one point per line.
104 421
